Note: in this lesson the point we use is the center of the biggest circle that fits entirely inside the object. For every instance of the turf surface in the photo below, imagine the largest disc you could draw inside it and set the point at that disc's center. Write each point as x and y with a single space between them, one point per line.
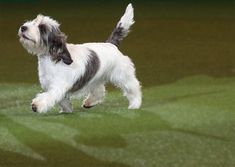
190 122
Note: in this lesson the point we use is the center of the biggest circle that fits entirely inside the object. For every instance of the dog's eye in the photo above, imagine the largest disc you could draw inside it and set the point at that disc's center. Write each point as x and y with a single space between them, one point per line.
42 28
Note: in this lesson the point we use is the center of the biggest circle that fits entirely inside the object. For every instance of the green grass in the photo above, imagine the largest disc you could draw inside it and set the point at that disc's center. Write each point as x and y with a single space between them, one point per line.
190 122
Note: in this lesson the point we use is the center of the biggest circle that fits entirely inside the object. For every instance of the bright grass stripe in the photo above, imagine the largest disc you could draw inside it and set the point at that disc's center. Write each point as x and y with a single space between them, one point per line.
8 142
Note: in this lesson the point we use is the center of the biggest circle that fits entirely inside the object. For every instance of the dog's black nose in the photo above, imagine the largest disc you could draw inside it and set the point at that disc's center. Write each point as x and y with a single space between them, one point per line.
23 28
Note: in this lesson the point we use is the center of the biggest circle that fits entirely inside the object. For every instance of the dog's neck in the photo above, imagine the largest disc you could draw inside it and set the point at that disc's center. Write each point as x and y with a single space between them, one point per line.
44 57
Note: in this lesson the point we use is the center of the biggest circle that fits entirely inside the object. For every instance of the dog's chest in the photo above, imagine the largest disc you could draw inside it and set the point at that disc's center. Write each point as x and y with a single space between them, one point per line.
47 72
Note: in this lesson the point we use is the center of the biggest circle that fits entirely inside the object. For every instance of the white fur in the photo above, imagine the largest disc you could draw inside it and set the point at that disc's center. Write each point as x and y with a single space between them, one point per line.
58 78
127 20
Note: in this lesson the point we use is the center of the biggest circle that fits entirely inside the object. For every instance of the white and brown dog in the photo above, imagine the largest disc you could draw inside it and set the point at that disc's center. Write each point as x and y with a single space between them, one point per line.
67 70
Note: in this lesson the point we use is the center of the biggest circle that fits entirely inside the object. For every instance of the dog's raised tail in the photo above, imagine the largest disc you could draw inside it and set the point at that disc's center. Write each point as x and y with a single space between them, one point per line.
123 27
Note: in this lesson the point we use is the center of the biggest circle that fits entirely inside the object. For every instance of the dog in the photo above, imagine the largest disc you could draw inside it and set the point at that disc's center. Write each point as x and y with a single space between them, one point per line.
79 70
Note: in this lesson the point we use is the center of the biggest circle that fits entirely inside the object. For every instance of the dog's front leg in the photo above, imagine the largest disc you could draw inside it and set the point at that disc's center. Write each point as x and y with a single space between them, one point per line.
45 101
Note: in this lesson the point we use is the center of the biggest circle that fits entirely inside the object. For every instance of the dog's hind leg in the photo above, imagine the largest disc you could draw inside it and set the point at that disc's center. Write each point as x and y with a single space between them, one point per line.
132 91
127 81
96 96
66 105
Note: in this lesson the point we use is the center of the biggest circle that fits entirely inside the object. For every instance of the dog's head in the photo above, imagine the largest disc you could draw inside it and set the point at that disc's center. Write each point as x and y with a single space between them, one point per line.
43 36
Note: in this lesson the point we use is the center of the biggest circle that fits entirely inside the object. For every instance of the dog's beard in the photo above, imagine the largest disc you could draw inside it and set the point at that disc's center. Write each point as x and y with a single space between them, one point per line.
31 45
26 38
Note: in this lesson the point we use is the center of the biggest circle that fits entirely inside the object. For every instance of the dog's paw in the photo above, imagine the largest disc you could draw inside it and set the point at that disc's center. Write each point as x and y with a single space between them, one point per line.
39 105
87 107
89 103
135 105
65 111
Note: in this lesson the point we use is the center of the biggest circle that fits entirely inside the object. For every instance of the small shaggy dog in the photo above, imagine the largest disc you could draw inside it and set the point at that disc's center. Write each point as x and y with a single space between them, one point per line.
67 70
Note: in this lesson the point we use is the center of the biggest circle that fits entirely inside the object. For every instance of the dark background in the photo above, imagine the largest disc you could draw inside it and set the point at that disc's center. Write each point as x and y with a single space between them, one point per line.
169 41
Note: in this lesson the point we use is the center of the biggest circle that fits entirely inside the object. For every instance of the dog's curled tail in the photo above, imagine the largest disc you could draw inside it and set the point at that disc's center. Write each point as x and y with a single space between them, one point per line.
123 26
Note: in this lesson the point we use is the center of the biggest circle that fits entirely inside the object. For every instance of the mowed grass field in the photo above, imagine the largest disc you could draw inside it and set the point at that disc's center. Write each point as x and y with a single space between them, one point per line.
184 56
187 123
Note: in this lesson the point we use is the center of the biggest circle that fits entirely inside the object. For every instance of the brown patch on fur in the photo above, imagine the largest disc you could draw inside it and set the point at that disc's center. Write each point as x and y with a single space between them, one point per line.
92 67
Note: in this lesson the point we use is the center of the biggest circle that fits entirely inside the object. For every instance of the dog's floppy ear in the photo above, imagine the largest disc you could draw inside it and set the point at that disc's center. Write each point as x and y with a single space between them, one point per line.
57 47
43 29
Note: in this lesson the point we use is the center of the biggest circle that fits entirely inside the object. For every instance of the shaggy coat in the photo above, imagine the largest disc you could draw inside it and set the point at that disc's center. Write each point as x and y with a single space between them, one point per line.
79 70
